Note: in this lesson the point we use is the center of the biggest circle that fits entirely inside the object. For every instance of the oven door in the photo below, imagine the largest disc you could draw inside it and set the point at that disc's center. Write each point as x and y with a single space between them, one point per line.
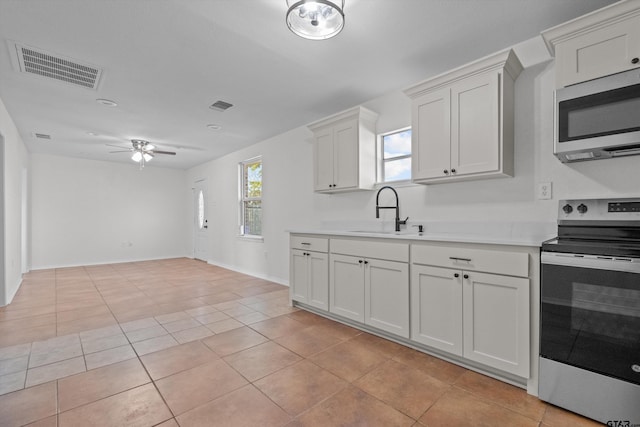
590 313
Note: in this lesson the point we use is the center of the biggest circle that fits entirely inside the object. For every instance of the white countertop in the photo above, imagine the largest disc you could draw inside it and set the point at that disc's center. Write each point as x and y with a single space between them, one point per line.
498 233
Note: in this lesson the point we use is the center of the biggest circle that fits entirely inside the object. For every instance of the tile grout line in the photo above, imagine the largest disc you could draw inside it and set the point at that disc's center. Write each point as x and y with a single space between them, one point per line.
155 386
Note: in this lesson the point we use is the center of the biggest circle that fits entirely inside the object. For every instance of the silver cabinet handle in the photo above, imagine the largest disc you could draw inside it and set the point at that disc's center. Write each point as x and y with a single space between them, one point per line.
305 243
459 259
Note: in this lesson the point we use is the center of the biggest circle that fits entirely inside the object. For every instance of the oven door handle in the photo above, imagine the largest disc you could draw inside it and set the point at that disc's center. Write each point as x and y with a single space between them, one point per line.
624 264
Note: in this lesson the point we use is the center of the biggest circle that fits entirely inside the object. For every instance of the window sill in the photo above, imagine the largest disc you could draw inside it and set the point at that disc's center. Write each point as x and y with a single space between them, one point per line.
402 183
250 238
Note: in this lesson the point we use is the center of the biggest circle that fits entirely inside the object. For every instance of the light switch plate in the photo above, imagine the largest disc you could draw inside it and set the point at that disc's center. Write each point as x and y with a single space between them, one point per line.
544 191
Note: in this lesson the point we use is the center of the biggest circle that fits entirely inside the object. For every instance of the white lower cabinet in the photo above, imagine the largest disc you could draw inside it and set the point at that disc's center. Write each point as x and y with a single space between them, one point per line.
386 292
369 283
496 321
309 271
436 308
346 287
466 300
480 316
310 277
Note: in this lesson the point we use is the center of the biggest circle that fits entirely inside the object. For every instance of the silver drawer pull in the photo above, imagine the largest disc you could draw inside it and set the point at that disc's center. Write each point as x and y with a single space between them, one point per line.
459 259
305 243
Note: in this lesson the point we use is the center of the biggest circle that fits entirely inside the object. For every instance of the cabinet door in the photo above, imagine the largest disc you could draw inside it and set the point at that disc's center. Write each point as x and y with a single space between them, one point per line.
496 321
431 135
386 290
346 286
318 266
323 160
475 120
436 307
598 53
345 154
299 277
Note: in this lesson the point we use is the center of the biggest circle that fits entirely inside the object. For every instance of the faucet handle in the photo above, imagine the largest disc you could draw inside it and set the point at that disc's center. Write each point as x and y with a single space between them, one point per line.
403 222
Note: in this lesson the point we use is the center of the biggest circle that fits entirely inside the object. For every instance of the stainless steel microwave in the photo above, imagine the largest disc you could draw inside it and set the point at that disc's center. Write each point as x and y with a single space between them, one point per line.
598 119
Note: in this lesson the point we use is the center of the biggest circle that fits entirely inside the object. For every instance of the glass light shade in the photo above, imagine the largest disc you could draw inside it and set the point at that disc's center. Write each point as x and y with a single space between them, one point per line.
137 156
147 157
315 19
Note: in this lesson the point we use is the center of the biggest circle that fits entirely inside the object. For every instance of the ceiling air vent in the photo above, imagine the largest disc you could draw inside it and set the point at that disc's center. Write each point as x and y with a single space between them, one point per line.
41 63
220 106
41 135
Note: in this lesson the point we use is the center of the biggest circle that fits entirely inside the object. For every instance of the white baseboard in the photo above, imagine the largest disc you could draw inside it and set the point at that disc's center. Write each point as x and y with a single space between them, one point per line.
114 261
278 280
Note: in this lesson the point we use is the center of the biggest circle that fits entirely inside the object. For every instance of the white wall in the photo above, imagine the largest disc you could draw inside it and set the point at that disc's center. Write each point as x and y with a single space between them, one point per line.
290 203
287 196
16 160
93 212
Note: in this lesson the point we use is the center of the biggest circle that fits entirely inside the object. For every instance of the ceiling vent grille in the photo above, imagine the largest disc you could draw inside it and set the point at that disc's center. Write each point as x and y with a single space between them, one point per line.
220 106
41 135
45 64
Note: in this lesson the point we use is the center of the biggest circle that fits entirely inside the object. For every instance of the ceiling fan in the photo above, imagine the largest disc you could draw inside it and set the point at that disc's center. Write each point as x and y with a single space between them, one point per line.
143 151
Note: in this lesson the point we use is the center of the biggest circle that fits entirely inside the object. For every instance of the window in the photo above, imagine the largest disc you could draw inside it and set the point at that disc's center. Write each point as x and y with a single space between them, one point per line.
251 197
200 210
395 156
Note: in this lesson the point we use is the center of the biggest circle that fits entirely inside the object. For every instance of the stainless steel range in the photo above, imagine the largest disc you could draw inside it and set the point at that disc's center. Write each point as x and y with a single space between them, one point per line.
590 311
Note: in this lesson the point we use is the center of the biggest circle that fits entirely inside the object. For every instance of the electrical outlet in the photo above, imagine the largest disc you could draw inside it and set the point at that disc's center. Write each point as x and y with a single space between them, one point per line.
544 191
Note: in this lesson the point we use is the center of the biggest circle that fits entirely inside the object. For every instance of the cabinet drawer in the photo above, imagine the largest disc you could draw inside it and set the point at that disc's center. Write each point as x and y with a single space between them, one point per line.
371 249
318 244
500 262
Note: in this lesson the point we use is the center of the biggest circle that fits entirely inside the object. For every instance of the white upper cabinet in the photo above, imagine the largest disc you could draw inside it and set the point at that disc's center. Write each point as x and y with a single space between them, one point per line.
598 44
344 151
432 118
462 122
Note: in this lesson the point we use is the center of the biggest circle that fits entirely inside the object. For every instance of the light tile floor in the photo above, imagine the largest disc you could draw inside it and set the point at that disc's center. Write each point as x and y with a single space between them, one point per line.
182 343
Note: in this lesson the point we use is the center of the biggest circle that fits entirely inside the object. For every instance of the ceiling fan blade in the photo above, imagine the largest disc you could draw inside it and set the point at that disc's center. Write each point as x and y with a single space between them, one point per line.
120 151
162 152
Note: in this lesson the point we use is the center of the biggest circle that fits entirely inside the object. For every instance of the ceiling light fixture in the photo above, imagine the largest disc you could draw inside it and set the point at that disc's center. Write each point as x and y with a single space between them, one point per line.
315 19
141 151
214 127
139 156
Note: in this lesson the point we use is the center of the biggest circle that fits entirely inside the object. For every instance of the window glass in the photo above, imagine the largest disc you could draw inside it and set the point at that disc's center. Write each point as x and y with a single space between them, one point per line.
395 156
251 198
200 210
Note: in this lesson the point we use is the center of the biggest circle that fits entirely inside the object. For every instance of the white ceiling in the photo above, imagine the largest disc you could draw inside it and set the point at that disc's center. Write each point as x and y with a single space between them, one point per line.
165 61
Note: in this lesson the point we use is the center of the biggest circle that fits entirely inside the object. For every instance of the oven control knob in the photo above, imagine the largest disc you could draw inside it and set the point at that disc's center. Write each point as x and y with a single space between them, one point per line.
582 208
567 208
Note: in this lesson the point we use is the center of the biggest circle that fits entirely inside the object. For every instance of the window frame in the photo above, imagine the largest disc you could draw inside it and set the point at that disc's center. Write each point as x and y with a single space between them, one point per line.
243 198
381 161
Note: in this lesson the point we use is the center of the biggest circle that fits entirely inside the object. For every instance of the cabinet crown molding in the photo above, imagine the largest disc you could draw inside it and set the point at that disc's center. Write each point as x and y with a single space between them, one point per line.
359 112
600 18
505 60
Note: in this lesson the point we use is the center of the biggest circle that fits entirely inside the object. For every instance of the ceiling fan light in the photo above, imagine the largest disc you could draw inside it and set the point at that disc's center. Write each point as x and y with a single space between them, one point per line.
315 19
147 157
137 156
